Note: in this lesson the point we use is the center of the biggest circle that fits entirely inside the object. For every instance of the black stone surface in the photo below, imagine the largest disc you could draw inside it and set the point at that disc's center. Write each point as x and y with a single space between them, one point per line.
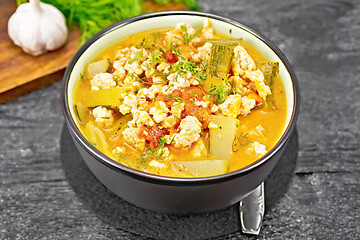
46 191
120 214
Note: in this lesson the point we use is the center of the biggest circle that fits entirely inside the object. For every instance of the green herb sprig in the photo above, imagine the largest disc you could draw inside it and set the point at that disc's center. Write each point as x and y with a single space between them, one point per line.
92 16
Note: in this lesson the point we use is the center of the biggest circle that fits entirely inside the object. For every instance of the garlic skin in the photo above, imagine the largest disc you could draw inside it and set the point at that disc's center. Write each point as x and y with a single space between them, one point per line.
37 27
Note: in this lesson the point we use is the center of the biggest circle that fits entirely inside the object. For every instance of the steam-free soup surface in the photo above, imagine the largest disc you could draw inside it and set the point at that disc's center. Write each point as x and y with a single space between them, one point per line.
181 102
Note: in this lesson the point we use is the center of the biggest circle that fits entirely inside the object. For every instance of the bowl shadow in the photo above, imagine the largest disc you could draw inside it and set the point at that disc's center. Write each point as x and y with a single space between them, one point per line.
122 215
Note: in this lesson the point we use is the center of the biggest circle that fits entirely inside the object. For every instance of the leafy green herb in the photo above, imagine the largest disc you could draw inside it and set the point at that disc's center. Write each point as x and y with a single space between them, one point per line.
92 16
153 153
187 37
156 57
143 43
221 92
156 36
183 66
177 99
138 55
176 52
240 141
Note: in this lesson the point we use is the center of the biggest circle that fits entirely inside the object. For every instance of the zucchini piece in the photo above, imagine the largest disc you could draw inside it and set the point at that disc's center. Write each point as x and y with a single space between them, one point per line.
97 67
270 71
222 138
110 97
222 52
203 168
231 42
82 112
176 171
119 125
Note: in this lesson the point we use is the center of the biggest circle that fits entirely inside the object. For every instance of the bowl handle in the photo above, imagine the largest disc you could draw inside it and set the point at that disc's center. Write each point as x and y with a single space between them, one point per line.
252 209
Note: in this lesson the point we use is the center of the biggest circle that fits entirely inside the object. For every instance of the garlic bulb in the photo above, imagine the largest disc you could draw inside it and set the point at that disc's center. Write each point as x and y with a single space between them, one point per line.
37 27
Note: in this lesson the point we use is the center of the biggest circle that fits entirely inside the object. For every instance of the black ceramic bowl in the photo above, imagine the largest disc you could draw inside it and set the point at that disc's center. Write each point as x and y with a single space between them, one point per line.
167 194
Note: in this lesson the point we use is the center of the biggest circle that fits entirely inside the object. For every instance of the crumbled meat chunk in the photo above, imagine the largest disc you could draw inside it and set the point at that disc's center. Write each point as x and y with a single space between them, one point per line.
241 84
246 105
141 118
130 103
258 148
170 122
199 149
164 67
207 31
176 81
157 164
203 53
190 129
131 136
102 81
103 116
257 77
258 131
231 106
118 151
242 61
120 72
134 68
159 111
213 125
201 104
214 108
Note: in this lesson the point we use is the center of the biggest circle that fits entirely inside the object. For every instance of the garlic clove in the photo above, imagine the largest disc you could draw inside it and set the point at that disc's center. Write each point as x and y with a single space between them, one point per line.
37 27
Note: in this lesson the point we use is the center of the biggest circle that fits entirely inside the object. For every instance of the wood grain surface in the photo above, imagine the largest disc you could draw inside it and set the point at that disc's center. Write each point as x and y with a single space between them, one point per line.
46 191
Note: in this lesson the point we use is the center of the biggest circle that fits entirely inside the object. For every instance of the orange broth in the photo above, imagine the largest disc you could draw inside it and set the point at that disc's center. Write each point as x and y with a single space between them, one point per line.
271 120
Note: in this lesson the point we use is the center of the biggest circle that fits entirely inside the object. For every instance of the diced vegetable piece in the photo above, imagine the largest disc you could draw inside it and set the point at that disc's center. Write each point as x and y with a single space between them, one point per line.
270 70
221 139
119 125
270 102
233 42
82 112
97 67
222 52
180 172
104 97
204 168
95 136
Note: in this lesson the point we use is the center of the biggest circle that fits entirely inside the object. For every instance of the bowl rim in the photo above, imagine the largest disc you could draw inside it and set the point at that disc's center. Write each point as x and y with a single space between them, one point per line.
165 180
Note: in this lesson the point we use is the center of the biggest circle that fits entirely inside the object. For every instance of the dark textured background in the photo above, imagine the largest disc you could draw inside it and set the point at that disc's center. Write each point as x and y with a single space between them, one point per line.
47 192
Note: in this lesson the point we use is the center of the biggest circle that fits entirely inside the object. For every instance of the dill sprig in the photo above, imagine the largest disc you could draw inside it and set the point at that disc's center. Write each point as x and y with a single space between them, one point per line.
240 141
92 16
220 93
183 66
187 37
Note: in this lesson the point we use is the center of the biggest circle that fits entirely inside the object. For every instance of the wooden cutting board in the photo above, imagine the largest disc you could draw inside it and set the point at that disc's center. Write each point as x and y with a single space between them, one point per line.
21 73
